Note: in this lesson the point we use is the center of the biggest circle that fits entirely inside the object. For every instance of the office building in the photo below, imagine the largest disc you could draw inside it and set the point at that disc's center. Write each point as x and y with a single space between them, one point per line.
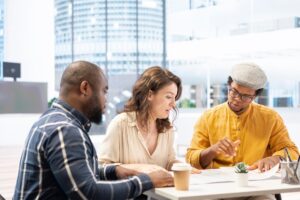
123 37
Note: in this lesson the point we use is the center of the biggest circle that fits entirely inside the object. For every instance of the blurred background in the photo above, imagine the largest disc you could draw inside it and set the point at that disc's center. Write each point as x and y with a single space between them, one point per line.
199 40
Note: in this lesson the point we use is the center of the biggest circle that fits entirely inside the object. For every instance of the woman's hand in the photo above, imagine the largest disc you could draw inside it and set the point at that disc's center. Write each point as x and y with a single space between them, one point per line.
195 171
143 168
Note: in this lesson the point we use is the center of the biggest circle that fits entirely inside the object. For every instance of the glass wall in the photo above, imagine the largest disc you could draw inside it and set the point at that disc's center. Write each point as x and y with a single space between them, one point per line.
200 40
122 37
209 36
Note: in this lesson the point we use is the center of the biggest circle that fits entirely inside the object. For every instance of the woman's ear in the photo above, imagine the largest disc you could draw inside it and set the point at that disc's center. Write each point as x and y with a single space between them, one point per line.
150 95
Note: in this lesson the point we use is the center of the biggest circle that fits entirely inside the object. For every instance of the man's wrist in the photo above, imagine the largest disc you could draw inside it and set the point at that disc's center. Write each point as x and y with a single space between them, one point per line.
111 164
277 158
207 156
212 152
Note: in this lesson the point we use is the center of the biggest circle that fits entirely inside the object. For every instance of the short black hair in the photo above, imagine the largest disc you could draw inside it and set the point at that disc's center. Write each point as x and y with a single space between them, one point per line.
77 72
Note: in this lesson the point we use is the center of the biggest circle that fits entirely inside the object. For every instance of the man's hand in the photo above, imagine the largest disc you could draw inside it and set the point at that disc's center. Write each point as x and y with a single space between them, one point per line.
158 175
226 146
122 172
161 178
265 164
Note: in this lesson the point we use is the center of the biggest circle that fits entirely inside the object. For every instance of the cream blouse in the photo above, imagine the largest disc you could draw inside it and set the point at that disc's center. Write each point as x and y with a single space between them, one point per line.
124 143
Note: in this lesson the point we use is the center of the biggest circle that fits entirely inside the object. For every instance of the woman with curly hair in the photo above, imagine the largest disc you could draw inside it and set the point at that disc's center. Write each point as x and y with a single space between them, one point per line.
143 134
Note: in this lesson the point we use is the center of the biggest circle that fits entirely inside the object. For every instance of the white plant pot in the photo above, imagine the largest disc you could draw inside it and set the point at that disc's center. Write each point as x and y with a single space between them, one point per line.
242 179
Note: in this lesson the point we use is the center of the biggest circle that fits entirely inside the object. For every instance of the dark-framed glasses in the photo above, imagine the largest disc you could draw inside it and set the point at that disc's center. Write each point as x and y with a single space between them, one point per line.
244 97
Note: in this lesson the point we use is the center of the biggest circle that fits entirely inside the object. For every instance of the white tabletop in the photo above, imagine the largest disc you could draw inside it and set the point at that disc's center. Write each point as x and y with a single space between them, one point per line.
224 190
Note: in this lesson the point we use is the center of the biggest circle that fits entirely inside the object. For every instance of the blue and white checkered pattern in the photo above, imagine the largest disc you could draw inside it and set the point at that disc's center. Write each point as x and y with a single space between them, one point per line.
59 161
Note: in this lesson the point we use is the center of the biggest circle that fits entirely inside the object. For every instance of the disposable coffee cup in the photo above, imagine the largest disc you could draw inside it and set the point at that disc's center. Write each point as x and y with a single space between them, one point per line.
181 175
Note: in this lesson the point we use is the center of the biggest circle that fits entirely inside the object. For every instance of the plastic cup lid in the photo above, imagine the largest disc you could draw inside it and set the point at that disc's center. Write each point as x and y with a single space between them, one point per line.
181 167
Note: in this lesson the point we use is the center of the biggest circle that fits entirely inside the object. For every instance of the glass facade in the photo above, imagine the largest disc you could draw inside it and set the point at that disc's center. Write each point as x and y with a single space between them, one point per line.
123 37
205 39
210 36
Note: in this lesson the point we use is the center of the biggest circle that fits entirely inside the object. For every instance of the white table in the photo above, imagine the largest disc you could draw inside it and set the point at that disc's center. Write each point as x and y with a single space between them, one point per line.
223 190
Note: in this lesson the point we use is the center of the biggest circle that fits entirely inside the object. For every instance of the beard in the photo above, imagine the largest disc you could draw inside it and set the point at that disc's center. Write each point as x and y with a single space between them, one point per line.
94 111
96 116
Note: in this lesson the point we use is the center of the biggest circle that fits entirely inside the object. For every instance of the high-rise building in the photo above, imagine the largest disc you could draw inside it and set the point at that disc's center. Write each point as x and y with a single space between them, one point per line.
1 36
123 37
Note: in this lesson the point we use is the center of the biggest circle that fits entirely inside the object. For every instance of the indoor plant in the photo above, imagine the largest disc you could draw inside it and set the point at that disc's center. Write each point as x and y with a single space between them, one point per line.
241 174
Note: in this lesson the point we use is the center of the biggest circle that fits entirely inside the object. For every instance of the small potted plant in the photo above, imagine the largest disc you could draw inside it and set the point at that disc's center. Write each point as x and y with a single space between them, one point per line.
242 174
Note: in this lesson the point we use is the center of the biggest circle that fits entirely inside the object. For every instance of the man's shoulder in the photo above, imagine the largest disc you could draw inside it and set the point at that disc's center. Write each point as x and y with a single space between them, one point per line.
53 119
55 115
216 110
265 111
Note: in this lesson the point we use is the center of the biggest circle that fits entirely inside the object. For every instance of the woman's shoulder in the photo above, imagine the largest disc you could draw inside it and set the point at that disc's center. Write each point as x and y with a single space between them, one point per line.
169 132
127 117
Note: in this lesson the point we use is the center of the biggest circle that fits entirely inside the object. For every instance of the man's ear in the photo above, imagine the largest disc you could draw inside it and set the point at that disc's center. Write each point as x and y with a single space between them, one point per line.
84 88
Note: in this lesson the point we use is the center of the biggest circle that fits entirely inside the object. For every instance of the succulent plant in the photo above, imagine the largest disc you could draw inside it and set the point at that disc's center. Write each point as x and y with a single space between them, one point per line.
241 168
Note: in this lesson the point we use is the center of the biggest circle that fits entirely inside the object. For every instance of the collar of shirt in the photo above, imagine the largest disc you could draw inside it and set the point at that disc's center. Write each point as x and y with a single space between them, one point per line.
242 114
60 104
132 121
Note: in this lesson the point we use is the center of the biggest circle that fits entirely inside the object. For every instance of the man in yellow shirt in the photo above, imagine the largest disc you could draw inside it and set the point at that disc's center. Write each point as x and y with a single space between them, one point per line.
240 130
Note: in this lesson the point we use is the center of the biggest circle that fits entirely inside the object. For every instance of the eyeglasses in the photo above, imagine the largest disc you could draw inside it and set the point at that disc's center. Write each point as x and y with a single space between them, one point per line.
244 97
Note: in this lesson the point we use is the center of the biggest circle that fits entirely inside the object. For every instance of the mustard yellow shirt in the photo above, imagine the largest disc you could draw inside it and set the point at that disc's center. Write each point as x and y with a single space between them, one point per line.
260 129
123 143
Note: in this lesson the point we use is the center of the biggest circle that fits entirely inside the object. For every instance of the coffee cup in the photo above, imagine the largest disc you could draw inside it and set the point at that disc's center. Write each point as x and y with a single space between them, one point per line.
181 175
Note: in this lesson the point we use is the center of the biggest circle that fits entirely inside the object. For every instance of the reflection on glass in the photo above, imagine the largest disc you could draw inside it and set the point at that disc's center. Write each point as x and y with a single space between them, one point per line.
205 39
209 37
122 37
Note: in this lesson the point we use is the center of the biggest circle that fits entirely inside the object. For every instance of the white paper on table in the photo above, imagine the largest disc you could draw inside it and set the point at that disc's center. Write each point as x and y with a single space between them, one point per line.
227 174
257 175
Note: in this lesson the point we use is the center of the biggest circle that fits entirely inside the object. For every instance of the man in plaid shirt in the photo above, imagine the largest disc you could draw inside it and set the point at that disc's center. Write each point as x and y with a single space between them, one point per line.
59 160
